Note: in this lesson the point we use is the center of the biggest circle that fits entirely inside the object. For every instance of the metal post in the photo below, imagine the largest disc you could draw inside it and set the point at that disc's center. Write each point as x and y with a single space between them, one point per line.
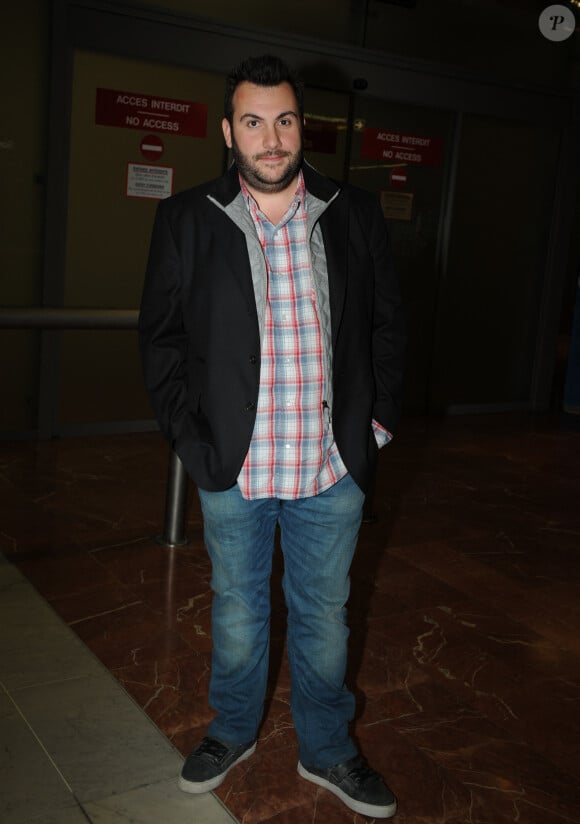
175 504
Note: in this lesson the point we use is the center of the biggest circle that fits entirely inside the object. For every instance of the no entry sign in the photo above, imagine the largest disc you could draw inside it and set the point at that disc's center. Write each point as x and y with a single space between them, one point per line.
152 147
398 176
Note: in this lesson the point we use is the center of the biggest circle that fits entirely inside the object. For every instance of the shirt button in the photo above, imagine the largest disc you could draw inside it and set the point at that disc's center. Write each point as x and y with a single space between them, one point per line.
288 446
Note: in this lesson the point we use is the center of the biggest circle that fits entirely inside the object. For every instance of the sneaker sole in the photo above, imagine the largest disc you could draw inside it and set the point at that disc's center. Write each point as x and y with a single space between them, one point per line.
198 787
371 810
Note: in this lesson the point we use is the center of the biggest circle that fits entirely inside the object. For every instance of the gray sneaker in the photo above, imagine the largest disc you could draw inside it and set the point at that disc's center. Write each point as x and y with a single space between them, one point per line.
360 788
208 764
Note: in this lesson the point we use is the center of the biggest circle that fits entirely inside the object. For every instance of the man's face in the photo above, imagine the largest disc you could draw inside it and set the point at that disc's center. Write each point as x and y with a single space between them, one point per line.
265 136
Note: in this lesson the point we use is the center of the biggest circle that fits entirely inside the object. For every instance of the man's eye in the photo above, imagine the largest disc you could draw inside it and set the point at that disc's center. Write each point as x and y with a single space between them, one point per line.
253 123
285 121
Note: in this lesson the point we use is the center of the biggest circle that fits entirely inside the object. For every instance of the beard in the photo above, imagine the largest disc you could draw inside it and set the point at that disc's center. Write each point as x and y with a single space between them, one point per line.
269 183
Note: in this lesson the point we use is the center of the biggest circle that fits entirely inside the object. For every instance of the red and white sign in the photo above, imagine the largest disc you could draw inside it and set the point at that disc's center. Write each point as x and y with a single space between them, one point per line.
398 176
133 110
152 147
398 147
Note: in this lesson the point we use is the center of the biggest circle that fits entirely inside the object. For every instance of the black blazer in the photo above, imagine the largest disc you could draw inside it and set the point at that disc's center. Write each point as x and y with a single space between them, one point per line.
199 335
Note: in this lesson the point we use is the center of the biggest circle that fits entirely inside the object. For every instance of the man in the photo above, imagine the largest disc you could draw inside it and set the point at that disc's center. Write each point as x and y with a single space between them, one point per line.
271 339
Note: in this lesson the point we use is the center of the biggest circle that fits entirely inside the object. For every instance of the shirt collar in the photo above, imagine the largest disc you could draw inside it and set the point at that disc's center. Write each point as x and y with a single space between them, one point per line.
298 200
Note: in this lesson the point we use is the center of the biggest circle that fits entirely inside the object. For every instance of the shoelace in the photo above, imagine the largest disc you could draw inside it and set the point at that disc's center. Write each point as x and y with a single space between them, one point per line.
360 772
213 749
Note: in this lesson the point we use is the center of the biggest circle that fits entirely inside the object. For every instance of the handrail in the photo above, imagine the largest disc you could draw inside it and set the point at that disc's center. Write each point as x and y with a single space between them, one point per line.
45 317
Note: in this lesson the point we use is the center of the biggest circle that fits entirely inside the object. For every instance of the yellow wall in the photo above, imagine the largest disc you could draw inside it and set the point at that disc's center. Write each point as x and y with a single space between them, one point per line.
108 232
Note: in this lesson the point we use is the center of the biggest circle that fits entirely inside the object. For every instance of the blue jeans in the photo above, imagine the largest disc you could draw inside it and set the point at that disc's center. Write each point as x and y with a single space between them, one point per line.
318 538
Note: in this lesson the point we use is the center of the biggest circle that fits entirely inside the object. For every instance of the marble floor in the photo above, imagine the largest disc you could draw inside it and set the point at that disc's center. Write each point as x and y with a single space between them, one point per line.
465 625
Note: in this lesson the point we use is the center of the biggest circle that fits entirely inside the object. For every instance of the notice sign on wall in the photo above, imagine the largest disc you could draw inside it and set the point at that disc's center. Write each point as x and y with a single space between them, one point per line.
133 110
397 205
153 182
397 147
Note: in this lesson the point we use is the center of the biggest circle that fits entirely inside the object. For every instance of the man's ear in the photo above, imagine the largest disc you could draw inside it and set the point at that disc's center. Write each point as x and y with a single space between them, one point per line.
227 130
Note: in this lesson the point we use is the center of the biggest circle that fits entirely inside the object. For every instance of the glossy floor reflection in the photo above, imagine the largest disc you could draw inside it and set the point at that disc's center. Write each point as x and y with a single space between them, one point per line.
465 610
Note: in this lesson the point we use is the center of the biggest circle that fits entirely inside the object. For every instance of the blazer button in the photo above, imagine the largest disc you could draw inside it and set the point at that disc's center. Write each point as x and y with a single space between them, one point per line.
253 359
249 406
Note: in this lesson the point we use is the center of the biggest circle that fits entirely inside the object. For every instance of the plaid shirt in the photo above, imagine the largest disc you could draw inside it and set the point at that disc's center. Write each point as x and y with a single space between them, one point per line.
292 453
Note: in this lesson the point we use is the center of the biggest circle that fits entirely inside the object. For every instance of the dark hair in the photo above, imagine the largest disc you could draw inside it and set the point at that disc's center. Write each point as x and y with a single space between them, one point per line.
266 70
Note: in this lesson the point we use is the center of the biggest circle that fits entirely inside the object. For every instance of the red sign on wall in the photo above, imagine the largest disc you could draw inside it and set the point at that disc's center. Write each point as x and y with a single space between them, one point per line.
398 176
152 147
132 110
397 147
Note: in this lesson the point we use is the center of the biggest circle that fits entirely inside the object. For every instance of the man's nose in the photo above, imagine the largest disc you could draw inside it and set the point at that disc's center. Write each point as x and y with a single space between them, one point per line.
271 137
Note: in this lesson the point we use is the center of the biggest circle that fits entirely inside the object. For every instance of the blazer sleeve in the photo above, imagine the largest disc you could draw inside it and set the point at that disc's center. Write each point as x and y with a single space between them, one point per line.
162 337
389 332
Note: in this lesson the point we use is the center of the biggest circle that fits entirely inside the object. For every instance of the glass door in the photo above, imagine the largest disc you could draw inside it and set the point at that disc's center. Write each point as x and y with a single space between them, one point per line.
401 152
